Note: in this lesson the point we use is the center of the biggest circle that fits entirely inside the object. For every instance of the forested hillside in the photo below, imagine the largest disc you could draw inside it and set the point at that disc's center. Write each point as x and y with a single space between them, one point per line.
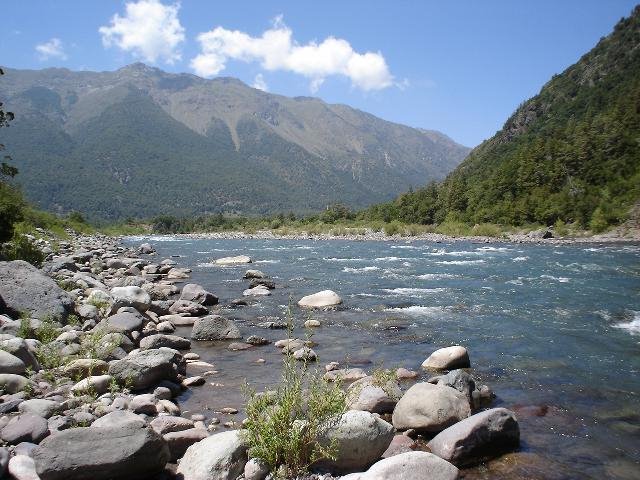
571 153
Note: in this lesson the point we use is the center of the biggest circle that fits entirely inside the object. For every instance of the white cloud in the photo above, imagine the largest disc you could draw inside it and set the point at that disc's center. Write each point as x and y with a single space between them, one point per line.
259 83
276 49
149 30
51 49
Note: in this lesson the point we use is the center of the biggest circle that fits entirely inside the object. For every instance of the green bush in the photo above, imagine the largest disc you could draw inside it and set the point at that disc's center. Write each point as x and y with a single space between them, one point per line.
598 223
21 248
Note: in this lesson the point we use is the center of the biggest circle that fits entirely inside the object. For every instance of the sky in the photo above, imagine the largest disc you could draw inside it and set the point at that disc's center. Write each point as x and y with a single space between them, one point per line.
460 67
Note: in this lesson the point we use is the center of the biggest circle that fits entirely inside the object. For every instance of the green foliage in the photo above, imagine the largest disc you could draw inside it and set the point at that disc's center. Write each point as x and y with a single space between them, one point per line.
282 426
598 222
22 248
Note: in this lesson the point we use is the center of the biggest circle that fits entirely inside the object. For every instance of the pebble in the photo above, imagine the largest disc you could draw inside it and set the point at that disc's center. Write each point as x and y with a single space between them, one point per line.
229 410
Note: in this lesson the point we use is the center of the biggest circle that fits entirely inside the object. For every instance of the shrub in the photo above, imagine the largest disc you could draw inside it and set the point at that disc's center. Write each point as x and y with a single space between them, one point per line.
598 223
392 228
282 426
21 248
486 230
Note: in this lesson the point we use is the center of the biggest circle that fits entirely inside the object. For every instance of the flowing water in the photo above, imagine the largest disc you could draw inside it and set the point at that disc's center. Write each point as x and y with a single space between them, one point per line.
554 330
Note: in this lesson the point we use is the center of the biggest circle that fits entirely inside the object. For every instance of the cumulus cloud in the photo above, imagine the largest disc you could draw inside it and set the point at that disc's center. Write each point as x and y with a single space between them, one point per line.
149 30
259 83
276 49
51 49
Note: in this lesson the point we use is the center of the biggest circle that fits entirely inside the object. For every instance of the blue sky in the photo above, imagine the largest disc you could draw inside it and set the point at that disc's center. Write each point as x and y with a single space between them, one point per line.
459 67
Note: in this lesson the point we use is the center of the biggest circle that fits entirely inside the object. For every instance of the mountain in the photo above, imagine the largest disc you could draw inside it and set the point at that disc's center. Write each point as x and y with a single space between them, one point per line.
571 153
139 142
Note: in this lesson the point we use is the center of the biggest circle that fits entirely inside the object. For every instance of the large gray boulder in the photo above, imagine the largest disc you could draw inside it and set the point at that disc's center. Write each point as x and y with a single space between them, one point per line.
196 293
409 466
480 437
368 395
161 340
187 307
9 363
181 440
118 418
360 438
130 296
19 348
215 327
25 428
40 407
218 457
12 383
430 408
146 368
325 298
124 322
25 289
125 452
448 358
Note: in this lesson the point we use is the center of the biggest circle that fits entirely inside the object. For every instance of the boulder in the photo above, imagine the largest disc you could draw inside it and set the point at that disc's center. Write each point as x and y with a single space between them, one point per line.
161 340
170 423
25 428
118 418
326 298
239 259
196 293
345 375
18 347
39 407
478 438
144 404
448 358
215 327
458 379
360 438
84 367
147 368
249 274
259 291
181 440
399 444
178 273
367 395
11 364
219 457
130 296
256 469
12 383
430 408
186 307
410 466
24 288
22 467
125 452
125 322
262 282
146 248
97 384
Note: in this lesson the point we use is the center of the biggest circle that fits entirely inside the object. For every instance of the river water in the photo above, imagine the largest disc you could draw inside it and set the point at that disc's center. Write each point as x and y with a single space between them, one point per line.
554 330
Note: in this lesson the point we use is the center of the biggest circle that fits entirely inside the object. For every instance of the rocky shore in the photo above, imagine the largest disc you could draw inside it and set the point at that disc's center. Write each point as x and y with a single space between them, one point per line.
91 369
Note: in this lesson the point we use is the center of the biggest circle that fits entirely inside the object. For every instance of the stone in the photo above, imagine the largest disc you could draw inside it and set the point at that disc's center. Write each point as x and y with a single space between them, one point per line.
325 298
259 291
255 469
365 394
181 440
88 311
196 293
125 322
165 327
257 341
118 418
4 461
146 368
145 404
254 274
239 259
11 364
22 467
219 457
399 444
84 367
97 384
39 407
12 383
18 347
478 438
169 423
430 408
146 248
125 452
161 340
215 327
239 346
193 381
25 428
178 273
24 288
360 439
305 354
185 307
130 296
448 358
458 379
405 374
312 323
410 466
345 375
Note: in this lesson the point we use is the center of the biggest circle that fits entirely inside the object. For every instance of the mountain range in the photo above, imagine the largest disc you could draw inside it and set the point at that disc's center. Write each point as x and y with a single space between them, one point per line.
140 142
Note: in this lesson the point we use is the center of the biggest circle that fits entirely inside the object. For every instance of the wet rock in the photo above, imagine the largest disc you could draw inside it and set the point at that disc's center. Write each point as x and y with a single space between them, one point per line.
25 428
264 283
368 395
24 288
254 274
257 341
478 438
219 457
215 327
181 440
360 439
259 291
430 408
196 293
146 368
239 346
130 296
193 381
239 259
325 298
11 364
161 340
448 358
125 452
458 379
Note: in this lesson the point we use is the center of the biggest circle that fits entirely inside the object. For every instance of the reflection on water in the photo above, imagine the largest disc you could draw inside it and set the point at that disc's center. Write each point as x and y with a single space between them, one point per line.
554 330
